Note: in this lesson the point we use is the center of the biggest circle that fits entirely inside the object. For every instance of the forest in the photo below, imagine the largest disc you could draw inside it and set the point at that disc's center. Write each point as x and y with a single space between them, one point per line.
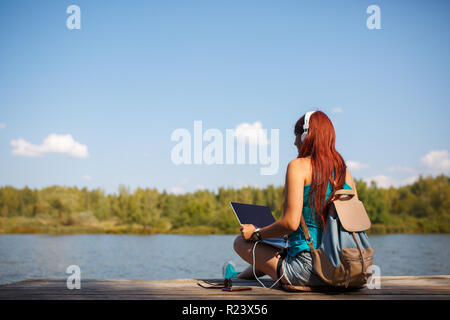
421 207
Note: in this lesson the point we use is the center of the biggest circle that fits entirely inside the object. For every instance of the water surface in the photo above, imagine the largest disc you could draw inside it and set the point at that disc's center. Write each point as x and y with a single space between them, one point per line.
160 257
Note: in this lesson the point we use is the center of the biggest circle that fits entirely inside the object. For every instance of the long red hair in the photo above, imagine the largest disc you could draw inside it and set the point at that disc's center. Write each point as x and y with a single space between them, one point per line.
320 146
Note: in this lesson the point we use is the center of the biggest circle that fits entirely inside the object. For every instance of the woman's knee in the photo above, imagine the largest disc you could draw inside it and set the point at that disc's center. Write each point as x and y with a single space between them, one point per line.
237 245
241 246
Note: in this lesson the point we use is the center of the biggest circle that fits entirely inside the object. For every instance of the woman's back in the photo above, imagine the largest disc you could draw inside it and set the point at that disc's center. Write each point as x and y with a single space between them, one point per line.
297 240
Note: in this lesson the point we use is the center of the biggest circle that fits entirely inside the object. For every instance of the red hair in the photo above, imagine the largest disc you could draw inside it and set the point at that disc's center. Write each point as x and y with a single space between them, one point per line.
320 146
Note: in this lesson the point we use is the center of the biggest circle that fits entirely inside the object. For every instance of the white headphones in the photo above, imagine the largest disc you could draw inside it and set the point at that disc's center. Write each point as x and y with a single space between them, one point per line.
306 125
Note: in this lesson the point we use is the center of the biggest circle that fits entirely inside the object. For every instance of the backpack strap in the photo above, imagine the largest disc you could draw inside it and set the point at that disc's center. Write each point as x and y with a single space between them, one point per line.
306 233
363 265
303 223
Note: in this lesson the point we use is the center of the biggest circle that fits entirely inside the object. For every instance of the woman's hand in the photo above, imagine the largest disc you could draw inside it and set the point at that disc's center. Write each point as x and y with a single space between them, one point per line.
247 231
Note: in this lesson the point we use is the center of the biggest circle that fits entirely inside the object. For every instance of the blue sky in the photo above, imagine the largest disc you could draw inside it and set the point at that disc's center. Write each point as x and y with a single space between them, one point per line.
136 71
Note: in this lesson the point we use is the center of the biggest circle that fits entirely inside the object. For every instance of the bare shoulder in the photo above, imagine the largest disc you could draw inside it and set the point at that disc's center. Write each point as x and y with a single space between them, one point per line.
299 163
299 167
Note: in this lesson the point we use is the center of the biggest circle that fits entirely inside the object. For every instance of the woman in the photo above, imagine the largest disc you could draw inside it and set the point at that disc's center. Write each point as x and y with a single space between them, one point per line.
308 185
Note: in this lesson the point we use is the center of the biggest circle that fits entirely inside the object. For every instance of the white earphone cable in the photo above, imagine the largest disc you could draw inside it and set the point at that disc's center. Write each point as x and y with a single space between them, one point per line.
254 269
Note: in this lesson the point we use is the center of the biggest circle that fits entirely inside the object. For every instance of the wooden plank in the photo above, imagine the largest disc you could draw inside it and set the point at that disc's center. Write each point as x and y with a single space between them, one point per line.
417 287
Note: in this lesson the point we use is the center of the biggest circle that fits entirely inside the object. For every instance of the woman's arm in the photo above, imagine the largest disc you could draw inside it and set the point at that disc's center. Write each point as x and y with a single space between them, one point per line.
295 180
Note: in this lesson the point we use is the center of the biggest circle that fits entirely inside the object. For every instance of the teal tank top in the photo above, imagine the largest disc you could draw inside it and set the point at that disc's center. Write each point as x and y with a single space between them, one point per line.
297 240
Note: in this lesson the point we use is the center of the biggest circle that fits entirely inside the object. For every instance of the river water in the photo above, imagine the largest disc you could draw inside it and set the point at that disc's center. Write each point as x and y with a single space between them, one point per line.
163 257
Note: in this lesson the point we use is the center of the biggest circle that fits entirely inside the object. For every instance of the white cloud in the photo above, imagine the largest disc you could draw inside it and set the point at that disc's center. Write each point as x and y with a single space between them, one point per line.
2 125
87 177
337 110
409 180
437 161
54 143
434 162
251 133
401 169
356 165
383 181
179 188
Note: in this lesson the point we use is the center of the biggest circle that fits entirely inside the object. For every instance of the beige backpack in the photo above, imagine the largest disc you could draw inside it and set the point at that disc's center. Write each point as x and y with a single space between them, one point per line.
345 252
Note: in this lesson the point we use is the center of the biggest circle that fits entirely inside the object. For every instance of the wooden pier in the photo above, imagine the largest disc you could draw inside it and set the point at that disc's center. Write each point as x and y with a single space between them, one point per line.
398 287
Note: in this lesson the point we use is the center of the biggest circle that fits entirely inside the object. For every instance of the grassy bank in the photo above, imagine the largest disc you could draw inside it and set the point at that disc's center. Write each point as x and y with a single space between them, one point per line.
25 225
421 207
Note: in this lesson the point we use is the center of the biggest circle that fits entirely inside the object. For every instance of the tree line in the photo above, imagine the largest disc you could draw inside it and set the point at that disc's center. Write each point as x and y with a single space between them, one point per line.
421 207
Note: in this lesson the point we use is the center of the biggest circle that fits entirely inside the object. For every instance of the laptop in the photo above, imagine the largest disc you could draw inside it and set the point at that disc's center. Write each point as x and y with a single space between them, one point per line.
259 216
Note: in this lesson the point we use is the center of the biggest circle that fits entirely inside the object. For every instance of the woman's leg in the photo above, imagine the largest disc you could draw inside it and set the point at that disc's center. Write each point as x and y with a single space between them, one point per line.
247 274
266 257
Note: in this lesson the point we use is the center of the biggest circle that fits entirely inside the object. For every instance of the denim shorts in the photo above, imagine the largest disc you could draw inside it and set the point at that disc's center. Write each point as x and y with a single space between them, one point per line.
299 271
